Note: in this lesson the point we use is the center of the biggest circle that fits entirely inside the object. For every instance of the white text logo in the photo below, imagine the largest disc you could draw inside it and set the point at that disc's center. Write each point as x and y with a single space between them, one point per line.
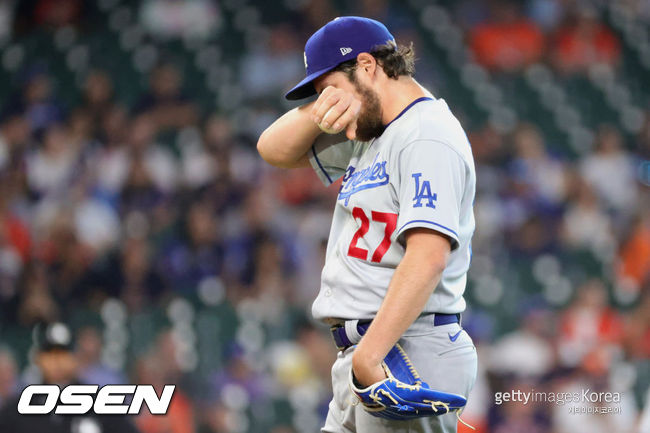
81 399
345 50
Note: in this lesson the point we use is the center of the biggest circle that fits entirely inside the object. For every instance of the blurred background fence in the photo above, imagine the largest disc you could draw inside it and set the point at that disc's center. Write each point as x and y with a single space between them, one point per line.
135 208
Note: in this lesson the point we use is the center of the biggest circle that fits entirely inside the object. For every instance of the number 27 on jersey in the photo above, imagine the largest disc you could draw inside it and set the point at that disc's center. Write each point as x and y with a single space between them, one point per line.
386 218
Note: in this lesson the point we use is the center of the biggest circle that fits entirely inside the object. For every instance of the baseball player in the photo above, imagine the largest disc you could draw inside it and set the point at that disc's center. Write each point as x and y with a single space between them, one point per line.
399 246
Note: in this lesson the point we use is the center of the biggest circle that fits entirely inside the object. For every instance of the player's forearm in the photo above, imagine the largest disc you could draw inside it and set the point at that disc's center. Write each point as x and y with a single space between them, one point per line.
286 142
410 288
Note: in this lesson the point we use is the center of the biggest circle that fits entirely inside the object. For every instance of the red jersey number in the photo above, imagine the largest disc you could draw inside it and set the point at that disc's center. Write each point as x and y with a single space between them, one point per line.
390 221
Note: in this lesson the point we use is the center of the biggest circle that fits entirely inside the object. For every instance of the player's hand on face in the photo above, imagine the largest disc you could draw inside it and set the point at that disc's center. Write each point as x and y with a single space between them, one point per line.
336 110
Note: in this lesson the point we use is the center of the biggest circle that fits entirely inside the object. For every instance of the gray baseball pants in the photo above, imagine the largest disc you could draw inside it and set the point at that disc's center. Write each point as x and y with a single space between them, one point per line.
446 365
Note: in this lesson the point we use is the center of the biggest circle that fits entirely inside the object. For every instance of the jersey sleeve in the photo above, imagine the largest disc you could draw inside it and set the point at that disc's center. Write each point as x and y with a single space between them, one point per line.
431 188
330 159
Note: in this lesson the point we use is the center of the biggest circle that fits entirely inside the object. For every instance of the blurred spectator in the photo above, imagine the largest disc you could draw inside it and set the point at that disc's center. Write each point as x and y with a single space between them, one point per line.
171 18
282 55
533 237
644 421
238 377
15 239
548 14
36 303
298 186
57 13
269 270
642 150
11 267
36 100
234 162
508 41
643 142
65 256
588 325
470 13
6 15
540 179
516 417
157 367
14 136
609 170
393 17
319 349
139 192
217 418
218 133
97 225
81 134
152 165
98 98
30 14
526 352
139 283
593 378
489 148
179 418
9 383
197 253
640 9
50 168
585 223
89 352
110 162
243 235
637 330
165 103
635 252
584 41
203 159
315 13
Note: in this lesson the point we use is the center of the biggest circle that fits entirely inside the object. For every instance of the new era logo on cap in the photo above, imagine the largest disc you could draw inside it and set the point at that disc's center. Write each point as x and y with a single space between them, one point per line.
340 40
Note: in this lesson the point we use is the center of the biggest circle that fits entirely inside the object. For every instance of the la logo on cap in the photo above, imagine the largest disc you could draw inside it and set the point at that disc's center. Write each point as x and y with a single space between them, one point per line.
304 55
345 50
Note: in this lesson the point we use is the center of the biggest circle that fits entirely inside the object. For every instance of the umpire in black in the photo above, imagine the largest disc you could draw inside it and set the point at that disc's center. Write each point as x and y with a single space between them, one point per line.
58 365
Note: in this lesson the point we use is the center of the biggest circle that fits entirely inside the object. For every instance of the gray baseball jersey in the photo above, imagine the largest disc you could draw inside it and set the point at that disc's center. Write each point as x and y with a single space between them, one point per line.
418 173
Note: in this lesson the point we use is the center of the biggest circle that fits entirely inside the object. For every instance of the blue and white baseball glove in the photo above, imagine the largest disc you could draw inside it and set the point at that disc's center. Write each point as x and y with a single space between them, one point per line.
403 395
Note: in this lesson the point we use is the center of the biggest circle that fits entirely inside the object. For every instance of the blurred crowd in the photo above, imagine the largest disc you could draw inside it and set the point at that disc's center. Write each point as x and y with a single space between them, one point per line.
142 204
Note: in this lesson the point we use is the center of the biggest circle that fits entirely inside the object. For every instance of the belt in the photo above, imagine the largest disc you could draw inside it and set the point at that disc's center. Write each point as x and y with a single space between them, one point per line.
350 333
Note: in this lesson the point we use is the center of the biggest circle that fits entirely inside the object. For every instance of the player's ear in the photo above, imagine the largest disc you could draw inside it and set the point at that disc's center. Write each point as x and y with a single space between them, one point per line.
366 64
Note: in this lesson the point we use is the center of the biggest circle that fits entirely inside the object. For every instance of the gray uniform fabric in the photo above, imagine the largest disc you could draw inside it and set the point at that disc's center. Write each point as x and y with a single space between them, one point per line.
418 173
446 365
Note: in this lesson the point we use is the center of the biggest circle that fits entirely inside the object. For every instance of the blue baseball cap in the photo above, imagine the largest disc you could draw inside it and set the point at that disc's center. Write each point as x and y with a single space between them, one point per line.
338 41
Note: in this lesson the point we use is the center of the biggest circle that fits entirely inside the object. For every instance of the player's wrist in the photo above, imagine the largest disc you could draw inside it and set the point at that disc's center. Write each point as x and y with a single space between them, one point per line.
365 354
367 373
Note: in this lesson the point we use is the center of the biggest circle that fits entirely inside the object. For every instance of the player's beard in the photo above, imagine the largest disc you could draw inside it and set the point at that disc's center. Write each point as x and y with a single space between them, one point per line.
369 124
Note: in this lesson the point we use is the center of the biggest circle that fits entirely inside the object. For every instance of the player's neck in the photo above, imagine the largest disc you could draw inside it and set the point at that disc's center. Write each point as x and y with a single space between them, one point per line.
398 94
